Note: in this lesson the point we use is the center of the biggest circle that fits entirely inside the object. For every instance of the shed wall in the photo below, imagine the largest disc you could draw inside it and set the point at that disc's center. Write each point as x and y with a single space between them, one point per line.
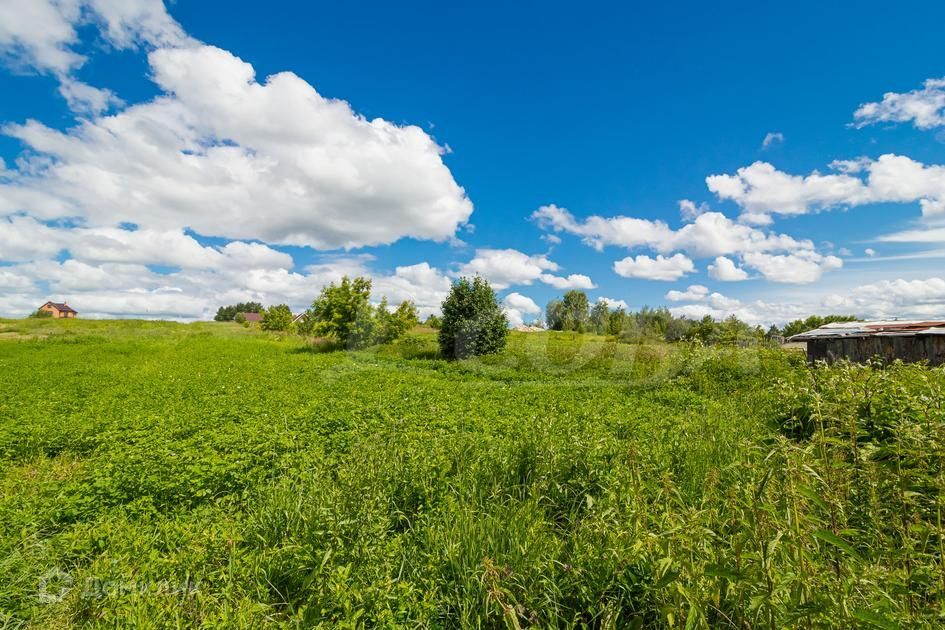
910 349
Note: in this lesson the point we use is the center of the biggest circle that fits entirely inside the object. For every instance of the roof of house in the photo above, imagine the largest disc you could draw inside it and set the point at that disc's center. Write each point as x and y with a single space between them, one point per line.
62 307
884 328
252 317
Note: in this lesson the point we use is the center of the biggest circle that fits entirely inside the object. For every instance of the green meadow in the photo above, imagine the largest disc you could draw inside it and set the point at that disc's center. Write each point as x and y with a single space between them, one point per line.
170 475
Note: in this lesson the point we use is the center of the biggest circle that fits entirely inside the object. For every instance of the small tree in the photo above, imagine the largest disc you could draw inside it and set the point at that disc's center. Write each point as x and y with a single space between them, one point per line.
40 314
277 317
473 322
433 322
344 311
600 317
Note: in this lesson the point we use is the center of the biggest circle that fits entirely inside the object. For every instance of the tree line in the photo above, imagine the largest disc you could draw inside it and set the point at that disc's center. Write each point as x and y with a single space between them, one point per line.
573 312
472 322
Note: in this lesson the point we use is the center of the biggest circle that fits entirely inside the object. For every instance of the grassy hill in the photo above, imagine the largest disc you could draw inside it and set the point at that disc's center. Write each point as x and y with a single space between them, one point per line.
160 474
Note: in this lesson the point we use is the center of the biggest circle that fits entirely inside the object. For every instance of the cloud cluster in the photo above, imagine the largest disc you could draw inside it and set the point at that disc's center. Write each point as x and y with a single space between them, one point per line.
761 190
226 156
509 267
658 268
518 306
924 108
777 257
922 298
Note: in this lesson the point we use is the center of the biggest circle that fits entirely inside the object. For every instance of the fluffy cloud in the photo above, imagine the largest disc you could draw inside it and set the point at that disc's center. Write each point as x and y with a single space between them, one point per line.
39 34
572 281
659 268
226 156
761 190
694 293
924 108
509 267
919 299
517 306
725 270
710 233
799 268
893 298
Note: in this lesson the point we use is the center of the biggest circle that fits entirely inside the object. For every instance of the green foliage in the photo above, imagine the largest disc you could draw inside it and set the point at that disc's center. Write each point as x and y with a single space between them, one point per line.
814 321
344 313
229 313
40 314
433 322
600 318
473 322
278 317
212 476
571 312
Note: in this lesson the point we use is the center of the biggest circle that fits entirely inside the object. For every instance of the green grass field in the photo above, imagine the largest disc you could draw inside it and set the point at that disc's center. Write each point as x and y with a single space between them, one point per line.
159 474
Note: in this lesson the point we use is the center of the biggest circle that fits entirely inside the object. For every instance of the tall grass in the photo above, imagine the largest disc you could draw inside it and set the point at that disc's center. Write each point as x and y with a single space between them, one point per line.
208 476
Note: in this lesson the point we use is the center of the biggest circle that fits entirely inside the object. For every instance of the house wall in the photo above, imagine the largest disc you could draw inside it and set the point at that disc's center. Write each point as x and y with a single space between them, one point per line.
910 349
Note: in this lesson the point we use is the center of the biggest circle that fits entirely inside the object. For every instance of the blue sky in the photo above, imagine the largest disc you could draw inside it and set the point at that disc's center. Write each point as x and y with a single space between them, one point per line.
489 112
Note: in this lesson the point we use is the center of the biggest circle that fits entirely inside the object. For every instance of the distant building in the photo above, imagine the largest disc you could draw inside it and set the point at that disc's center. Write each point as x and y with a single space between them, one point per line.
252 317
59 311
909 341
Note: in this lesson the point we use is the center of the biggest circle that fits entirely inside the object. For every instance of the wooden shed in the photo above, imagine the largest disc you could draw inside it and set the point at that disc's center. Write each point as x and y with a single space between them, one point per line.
909 341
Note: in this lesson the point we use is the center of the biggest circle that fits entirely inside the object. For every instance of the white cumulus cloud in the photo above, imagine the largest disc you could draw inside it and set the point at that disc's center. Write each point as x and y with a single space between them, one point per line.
725 270
658 268
924 107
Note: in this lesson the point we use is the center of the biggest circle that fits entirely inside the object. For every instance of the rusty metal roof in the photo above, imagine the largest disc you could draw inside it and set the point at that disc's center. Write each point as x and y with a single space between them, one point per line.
886 328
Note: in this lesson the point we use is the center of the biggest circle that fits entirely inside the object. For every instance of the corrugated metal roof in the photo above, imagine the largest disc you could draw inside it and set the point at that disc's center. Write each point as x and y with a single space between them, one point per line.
887 328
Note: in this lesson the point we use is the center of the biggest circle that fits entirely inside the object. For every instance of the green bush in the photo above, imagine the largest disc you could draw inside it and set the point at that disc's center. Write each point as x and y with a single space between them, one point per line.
277 317
473 323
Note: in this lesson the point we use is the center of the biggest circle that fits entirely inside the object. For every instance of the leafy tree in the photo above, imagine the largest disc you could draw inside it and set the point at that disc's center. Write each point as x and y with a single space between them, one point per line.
228 313
393 325
344 311
277 317
576 310
571 312
433 322
600 317
554 315
473 322
617 321
40 314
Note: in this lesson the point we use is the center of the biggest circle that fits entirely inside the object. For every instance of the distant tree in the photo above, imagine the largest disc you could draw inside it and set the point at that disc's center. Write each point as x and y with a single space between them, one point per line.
393 325
774 331
576 311
600 317
433 322
679 328
344 311
408 314
554 315
228 313
617 321
473 322
40 314
277 317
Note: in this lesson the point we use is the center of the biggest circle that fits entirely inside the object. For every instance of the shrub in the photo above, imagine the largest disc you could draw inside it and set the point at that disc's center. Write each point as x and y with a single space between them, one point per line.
277 317
40 314
473 323
343 311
